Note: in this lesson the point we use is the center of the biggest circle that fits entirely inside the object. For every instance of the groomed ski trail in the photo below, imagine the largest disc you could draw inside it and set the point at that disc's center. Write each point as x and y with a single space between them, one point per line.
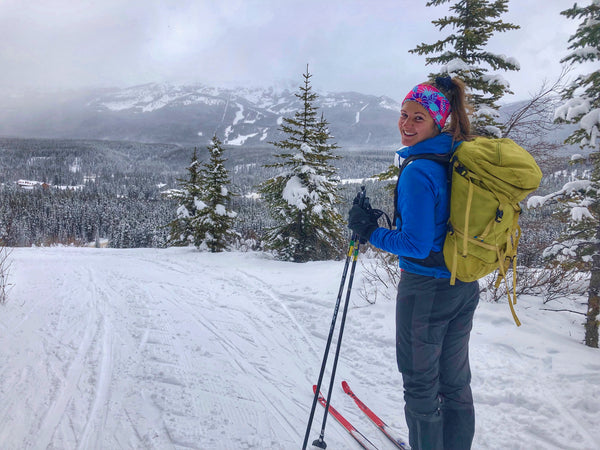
155 352
177 349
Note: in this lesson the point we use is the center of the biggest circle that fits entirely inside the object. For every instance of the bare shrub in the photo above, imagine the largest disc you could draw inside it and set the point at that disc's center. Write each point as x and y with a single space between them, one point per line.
550 283
381 275
380 268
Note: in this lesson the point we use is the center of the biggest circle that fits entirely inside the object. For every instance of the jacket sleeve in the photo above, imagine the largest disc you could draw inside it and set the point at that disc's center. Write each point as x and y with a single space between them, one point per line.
416 202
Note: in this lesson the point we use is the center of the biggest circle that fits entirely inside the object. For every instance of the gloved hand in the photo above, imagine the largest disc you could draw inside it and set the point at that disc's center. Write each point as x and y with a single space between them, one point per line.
363 221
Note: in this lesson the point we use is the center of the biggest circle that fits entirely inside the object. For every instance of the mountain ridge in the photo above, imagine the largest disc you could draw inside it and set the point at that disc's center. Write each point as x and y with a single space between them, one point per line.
191 114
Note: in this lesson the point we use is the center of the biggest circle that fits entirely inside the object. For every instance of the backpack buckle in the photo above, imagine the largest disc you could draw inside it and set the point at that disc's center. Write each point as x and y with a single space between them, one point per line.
499 215
460 169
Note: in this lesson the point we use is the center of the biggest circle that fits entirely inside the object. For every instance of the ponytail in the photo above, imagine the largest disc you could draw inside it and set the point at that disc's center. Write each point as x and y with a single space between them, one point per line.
455 91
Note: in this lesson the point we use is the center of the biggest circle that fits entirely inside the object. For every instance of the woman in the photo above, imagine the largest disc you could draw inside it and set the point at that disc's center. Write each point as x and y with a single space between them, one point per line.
433 318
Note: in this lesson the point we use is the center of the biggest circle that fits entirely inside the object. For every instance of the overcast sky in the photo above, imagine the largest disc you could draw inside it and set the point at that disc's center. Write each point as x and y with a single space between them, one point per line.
359 45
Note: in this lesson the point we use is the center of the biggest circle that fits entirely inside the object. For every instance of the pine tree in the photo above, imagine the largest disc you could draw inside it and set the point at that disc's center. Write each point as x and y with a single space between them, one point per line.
214 223
182 232
463 54
580 200
582 97
302 198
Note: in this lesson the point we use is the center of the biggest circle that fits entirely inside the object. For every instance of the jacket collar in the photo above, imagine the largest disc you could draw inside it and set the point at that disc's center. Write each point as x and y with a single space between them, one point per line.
440 144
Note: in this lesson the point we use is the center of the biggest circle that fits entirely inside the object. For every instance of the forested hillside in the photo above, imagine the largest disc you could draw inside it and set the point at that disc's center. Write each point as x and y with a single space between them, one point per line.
114 191
83 190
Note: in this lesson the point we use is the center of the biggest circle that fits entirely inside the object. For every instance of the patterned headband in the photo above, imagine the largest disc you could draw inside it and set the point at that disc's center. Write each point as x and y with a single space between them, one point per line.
436 103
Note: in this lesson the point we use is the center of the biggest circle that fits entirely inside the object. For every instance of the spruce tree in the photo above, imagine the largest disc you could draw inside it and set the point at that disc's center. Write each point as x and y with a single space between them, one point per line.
582 97
213 224
462 53
580 199
302 198
182 231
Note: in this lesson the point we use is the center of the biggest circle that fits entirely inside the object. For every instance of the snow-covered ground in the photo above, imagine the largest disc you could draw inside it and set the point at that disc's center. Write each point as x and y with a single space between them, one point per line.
147 348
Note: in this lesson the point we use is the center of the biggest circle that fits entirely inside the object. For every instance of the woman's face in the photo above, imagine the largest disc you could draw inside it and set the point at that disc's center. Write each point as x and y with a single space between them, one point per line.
416 124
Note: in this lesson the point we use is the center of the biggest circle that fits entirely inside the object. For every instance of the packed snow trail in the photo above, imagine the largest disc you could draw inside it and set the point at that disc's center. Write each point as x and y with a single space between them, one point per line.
176 349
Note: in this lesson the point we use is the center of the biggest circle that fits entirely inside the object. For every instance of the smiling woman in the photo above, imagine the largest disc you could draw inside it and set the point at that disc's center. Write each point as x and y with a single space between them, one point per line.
433 317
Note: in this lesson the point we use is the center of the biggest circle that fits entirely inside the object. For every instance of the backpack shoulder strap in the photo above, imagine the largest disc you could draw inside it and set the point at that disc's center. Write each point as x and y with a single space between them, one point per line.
441 159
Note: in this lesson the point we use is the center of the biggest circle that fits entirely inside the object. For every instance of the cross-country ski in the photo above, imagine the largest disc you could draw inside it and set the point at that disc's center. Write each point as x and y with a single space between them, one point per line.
398 441
360 438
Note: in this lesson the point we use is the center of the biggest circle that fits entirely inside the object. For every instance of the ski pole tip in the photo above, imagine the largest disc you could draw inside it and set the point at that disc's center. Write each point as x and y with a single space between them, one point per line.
319 443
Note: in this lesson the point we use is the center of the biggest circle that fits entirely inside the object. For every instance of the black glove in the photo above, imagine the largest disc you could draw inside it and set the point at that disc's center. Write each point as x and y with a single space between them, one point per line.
363 221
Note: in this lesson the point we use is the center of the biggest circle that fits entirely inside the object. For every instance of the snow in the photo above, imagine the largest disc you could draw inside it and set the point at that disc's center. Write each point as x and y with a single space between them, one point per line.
579 213
357 118
496 79
572 108
199 204
357 180
240 139
510 60
535 201
577 157
183 212
239 115
173 349
295 193
454 66
155 96
590 123
586 52
580 108
486 111
494 131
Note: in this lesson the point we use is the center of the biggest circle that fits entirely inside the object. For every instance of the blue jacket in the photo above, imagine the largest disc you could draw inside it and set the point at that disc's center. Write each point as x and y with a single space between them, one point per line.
424 206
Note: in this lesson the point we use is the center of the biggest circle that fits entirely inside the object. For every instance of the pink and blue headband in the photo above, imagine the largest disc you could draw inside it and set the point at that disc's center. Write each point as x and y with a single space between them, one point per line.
436 103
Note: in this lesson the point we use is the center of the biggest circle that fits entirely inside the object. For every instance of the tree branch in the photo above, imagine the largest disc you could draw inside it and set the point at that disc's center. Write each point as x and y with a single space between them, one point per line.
563 310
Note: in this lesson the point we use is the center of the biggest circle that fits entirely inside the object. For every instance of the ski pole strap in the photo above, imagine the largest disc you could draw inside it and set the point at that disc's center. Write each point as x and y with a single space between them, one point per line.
379 213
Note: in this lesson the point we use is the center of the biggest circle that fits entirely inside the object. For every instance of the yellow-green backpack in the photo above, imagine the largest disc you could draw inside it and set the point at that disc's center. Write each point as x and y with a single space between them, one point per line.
489 179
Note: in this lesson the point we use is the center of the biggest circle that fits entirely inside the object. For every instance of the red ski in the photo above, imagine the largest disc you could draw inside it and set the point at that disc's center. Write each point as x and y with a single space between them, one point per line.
360 438
397 440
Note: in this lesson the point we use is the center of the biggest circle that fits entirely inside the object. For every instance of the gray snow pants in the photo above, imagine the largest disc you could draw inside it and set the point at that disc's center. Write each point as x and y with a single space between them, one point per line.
433 324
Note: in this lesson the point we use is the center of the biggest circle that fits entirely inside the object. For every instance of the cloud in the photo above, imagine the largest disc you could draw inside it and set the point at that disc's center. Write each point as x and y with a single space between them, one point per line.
350 44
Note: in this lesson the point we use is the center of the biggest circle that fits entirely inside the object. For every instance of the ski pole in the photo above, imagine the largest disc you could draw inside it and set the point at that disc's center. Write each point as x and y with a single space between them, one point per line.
329 339
353 251
320 442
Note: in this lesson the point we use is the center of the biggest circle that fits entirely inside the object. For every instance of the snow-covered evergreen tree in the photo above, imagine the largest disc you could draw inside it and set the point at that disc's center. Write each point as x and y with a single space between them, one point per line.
579 200
582 97
302 198
182 231
213 224
462 53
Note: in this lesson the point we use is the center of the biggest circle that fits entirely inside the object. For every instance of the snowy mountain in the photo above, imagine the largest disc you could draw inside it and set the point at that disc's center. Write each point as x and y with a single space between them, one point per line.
191 114
177 349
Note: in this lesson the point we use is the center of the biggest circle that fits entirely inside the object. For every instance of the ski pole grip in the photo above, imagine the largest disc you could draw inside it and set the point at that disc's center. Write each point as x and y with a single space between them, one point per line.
361 198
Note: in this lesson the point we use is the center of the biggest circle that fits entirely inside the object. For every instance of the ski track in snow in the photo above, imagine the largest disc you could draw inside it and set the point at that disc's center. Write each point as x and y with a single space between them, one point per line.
176 349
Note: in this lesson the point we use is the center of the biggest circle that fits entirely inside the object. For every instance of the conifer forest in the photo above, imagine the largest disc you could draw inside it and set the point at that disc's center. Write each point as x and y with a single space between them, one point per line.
117 191
89 190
